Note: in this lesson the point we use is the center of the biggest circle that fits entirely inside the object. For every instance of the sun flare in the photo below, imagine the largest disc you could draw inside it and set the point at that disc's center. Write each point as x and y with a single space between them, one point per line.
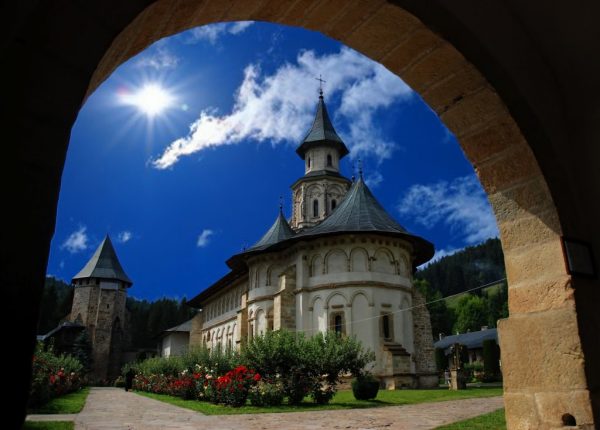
151 99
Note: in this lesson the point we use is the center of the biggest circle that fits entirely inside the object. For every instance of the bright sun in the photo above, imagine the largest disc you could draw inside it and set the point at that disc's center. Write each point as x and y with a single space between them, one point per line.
151 99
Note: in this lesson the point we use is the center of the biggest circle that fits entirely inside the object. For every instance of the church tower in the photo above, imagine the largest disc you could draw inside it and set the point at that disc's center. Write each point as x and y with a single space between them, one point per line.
316 194
100 292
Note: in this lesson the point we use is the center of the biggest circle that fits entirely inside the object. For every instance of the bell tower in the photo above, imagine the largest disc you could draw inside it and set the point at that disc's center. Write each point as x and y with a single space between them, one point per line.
316 194
100 293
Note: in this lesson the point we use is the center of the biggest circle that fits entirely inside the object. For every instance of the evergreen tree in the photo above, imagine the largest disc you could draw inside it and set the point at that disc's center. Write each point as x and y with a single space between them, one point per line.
471 314
82 350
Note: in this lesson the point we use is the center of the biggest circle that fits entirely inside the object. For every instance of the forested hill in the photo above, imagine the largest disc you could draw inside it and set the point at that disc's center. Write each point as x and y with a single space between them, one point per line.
148 319
466 269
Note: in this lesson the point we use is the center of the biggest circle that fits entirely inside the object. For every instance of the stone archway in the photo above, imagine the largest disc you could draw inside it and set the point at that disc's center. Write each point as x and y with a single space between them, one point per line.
548 343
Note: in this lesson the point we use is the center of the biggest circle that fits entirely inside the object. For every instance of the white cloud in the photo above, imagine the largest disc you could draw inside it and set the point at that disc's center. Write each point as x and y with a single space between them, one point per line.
204 238
211 33
159 57
373 179
124 236
77 241
280 107
460 204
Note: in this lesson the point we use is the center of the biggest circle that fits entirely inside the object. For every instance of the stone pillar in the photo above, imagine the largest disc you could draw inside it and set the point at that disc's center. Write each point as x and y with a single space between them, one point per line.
457 380
284 301
196 330
424 352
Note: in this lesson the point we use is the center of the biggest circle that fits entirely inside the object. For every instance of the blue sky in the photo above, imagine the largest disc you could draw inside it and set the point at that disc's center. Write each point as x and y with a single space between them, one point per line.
182 153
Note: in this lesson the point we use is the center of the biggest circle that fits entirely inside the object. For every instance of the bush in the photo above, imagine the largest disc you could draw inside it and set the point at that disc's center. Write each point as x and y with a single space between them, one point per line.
266 393
491 360
441 362
232 388
52 375
365 387
306 365
119 382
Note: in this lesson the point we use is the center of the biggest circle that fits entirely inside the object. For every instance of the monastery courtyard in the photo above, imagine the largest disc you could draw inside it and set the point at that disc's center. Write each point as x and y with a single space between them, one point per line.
113 408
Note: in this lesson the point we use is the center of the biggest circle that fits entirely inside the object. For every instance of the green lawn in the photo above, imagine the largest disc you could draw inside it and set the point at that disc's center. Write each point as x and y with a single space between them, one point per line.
343 400
71 403
48 425
491 421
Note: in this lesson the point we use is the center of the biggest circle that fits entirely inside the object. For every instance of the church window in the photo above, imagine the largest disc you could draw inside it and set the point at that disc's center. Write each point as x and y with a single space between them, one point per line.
308 162
315 208
387 327
337 323
333 204
329 161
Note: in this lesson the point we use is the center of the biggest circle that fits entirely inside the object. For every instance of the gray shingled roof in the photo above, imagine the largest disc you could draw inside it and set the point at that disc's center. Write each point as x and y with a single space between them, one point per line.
104 264
471 340
322 133
184 326
361 212
279 231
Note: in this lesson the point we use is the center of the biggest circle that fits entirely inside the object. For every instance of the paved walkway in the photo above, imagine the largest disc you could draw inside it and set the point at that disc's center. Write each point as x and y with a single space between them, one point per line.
113 408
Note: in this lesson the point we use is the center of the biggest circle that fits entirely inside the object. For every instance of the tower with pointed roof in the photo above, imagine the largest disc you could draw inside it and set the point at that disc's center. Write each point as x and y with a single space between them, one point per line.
316 194
342 263
100 293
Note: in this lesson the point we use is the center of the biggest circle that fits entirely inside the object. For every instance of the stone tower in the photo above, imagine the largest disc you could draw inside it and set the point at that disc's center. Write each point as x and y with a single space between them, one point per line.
316 194
100 292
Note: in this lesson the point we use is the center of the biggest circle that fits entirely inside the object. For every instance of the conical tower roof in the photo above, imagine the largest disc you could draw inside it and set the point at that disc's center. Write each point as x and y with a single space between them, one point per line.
322 133
104 264
279 231
359 211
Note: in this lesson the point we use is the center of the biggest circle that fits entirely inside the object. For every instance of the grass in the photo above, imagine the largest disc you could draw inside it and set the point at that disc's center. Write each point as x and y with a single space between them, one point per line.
344 399
491 421
48 425
71 403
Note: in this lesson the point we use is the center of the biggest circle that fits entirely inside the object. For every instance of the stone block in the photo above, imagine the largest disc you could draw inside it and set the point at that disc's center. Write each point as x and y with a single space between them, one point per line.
527 198
530 229
296 15
491 140
539 296
382 32
534 262
521 413
417 44
542 351
515 166
445 93
436 65
552 406
355 13
469 113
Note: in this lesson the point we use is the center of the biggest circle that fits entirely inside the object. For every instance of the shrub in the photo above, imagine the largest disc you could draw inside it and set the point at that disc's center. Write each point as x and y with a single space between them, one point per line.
441 362
119 382
306 365
52 375
365 387
266 393
232 388
491 360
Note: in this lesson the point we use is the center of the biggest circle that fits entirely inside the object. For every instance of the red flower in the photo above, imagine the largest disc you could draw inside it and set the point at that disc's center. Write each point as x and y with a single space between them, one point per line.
256 377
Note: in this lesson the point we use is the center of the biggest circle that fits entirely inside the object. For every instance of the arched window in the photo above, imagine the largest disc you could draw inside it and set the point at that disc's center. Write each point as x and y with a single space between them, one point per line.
329 162
387 329
315 208
308 162
333 204
337 324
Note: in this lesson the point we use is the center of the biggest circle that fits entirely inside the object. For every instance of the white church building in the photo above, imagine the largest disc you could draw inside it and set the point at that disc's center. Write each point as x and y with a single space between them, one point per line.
341 263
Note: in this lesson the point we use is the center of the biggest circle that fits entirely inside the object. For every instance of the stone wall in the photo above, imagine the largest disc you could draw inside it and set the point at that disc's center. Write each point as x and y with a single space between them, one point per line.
424 355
